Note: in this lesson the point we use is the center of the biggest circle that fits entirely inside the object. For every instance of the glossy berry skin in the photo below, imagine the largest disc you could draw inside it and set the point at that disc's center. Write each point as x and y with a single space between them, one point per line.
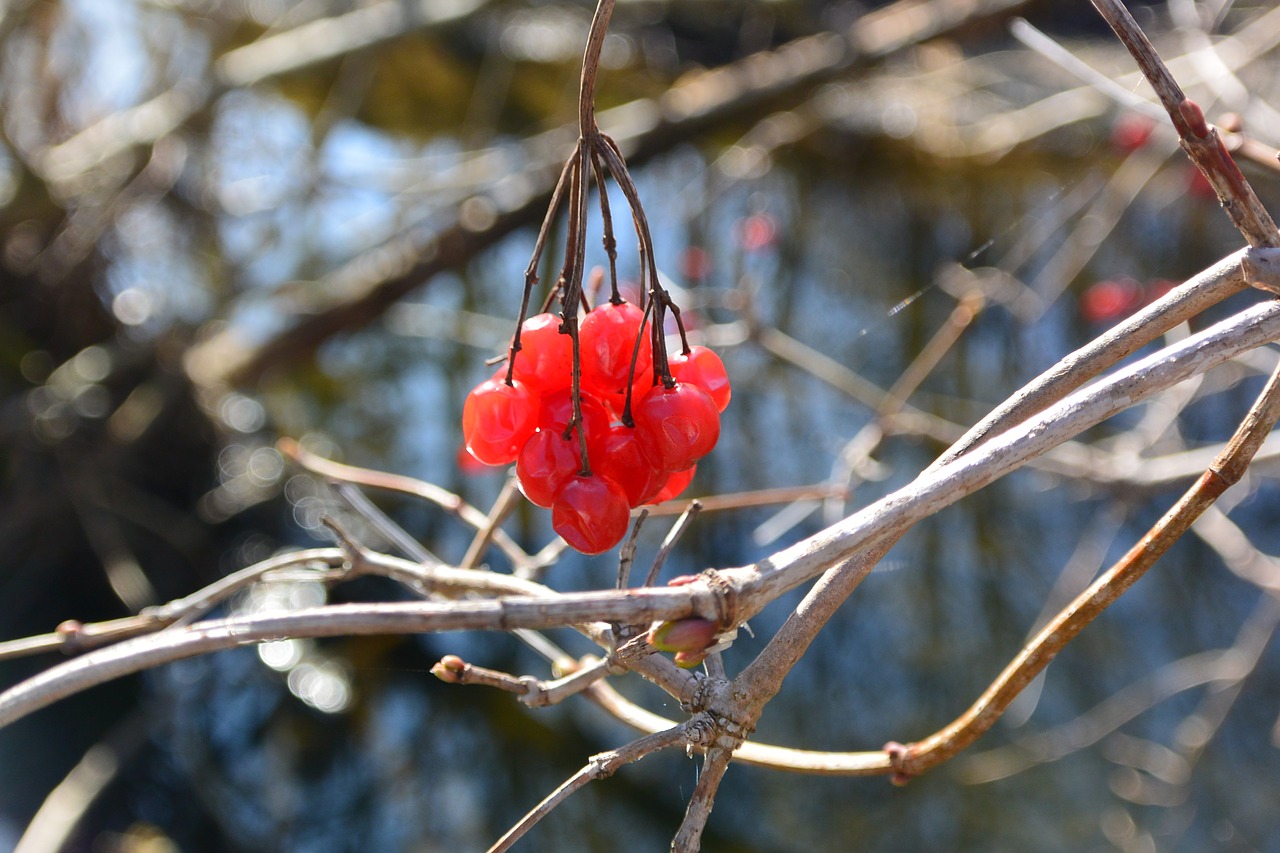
676 483
702 367
676 426
497 419
545 360
546 462
591 513
620 459
557 411
607 337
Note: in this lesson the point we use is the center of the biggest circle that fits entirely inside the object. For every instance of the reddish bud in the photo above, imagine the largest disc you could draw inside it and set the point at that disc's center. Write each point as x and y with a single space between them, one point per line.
688 660
1194 117
684 635
449 669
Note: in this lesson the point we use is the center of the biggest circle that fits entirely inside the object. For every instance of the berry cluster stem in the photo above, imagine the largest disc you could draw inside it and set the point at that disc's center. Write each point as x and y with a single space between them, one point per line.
596 154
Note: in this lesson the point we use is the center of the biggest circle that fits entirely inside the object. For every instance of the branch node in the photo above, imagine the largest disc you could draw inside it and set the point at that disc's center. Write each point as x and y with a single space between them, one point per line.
71 633
357 561
899 758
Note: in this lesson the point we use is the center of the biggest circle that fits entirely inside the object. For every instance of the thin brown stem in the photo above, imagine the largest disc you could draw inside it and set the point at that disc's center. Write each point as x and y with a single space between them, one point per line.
606 219
591 68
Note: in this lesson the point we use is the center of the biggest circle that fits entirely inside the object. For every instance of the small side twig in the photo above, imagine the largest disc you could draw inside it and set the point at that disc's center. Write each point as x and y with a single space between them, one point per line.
506 501
600 766
533 692
669 542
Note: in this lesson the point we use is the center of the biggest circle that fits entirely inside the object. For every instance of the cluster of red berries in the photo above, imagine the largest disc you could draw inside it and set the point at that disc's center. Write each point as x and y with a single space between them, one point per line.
527 421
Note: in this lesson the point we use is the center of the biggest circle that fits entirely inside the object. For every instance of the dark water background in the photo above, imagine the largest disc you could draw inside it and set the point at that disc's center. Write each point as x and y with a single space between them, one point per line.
229 753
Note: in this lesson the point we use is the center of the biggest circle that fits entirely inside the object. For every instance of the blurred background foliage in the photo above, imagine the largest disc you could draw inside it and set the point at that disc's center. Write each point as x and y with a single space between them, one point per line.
223 222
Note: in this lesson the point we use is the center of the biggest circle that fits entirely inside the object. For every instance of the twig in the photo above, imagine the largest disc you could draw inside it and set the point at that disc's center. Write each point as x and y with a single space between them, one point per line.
507 500
1201 142
407 486
533 692
1223 279
627 554
601 766
747 500
714 765
755 753
394 533
668 542
73 637
379 278
61 812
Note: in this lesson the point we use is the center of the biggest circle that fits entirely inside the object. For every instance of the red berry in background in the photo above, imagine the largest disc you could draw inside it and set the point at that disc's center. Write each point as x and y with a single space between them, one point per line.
1131 131
1198 185
695 263
546 462
545 360
607 337
591 514
676 426
702 367
620 459
1107 301
676 483
497 419
757 232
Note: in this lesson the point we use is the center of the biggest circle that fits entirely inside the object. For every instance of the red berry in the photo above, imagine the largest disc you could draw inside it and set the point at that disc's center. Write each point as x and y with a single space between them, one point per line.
702 367
620 459
617 403
546 462
591 514
545 360
607 338
676 483
557 411
497 419
470 465
676 426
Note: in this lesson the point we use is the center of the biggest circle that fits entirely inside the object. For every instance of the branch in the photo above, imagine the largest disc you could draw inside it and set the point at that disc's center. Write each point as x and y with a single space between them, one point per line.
73 637
714 765
1227 469
1201 141
939 487
520 611
1227 277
